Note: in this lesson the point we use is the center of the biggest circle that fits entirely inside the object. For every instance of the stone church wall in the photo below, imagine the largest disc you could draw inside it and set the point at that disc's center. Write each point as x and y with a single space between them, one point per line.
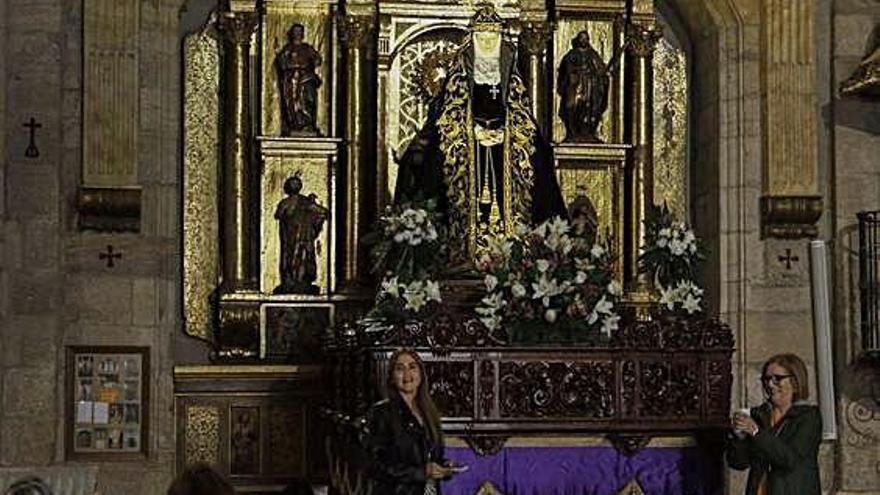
55 291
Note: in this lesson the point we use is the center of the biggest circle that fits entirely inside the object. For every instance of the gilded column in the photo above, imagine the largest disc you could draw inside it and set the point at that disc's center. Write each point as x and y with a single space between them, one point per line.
357 35
791 203
639 177
535 35
238 194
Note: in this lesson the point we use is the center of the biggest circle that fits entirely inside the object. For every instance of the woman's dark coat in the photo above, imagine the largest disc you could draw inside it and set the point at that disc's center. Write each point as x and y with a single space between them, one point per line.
400 448
787 452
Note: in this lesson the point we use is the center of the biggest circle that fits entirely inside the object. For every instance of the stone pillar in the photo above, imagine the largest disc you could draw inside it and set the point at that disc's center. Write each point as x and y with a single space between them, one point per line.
790 204
238 195
357 35
639 178
535 35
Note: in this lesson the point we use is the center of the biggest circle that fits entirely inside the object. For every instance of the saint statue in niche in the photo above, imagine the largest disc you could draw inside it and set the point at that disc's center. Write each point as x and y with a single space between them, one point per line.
584 219
583 82
865 81
298 83
479 153
300 220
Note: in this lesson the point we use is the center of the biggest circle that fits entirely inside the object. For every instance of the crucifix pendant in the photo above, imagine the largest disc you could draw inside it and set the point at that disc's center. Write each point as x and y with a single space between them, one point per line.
494 91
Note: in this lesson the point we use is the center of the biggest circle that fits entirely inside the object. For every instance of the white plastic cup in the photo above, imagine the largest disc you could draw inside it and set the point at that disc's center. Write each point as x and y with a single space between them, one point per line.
745 411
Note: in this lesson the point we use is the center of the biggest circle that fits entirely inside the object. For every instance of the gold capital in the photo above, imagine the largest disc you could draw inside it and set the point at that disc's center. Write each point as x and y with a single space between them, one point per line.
356 31
237 27
642 40
535 36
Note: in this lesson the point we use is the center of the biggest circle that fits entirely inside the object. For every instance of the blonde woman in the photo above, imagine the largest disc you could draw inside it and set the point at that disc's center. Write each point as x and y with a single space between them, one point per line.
778 441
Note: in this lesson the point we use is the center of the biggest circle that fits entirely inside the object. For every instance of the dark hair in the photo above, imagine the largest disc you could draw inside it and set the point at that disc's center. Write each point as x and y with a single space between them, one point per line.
29 486
794 365
427 408
200 479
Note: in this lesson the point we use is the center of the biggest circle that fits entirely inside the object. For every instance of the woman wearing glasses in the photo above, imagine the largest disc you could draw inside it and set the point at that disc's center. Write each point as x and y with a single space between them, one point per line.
778 442
405 439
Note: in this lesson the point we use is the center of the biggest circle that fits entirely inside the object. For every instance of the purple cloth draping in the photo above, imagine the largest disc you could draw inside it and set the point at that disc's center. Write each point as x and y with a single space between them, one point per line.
586 471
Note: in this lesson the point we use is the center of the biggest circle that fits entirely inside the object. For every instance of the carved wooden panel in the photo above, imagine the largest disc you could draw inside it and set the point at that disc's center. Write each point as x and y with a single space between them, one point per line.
202 434
671 373
244 440
285 453
258 424
669 388
452 384
556 389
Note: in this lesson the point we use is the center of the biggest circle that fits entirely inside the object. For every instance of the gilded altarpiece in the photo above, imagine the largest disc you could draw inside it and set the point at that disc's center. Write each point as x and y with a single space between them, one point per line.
212 302
390 56
232 250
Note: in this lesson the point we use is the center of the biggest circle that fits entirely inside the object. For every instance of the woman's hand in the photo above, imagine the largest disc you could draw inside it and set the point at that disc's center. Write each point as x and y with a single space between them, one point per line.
436 471
745 424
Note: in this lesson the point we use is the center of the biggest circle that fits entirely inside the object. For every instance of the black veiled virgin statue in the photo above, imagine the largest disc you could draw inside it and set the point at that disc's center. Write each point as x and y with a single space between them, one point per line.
479 152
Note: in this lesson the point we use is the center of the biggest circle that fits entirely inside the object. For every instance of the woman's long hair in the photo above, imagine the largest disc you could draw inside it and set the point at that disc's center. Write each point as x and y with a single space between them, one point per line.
424 403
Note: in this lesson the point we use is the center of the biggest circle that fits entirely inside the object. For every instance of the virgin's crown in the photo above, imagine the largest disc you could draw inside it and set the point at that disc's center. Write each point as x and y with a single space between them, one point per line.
486 19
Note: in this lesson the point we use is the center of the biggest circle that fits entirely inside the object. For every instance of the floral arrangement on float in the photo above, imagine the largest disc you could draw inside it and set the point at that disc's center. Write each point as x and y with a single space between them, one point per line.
408 250
549 284
671 258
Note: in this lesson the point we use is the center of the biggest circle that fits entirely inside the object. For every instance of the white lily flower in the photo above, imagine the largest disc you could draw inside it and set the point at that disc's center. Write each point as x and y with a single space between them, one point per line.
542 265
603 306
494 300
491 322
391 286
545 289
614 288
668 297
610 324
597 251
558 226
432 290
583 264
592 318
691 304
415 299
491 282
540 230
